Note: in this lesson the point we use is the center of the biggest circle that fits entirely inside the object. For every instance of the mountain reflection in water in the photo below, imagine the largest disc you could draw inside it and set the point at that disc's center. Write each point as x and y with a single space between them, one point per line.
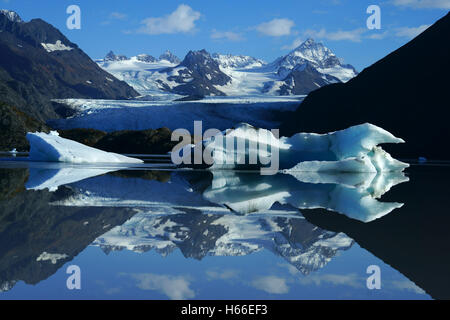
306 218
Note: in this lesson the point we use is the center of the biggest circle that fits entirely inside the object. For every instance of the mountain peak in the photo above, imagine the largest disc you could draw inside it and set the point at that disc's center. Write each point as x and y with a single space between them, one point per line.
311 52
311 47
308 41
237 61
169 56
111 56
198 57
11 15
145 58
202 52
167 53
316 55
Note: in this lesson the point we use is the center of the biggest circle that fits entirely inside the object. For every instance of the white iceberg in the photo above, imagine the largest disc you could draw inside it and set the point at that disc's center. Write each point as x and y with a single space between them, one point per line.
53 148
351 150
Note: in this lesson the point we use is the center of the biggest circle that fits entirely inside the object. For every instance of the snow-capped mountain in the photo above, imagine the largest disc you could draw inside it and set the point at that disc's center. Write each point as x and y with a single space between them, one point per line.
237 62
11 15
170 57
317 56
140 72
306 68
197 75
110 56
145 58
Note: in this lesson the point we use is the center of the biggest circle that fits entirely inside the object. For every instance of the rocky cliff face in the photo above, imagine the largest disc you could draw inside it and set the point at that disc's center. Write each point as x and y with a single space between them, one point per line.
197 75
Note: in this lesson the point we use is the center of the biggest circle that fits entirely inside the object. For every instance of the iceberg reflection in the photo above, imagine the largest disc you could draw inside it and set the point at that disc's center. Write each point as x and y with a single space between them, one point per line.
353 194
53 175
190 211
356 195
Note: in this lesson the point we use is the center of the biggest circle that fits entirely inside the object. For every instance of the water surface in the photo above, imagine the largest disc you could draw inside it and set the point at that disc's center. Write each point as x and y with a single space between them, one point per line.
151 232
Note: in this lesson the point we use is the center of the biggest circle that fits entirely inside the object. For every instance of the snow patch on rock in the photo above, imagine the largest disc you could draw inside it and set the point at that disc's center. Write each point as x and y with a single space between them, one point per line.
58 46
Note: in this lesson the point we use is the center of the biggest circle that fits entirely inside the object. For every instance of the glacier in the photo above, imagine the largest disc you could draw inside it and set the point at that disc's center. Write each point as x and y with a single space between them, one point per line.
51 147
214 112
354 149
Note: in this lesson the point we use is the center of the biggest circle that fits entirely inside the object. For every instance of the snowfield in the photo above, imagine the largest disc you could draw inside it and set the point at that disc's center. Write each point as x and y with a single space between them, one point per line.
143 76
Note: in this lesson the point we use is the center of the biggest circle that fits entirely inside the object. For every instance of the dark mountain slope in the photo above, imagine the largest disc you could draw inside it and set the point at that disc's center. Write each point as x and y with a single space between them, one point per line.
405 93
14 125
38 63
305 78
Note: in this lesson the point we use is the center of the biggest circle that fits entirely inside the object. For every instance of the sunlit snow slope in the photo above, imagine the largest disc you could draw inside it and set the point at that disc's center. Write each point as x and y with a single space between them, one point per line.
306 68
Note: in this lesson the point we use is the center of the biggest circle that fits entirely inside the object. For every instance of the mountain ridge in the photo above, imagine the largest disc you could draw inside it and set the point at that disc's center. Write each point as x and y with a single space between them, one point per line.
38 64
246 74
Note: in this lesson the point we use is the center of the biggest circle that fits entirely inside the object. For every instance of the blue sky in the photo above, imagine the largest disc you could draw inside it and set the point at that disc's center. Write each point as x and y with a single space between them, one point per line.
264 29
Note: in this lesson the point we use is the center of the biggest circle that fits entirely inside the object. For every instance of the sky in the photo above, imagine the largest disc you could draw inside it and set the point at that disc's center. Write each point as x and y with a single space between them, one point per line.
263 29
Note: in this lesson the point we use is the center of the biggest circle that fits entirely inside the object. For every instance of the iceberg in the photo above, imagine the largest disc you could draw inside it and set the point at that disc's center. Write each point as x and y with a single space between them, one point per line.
354 149
51 147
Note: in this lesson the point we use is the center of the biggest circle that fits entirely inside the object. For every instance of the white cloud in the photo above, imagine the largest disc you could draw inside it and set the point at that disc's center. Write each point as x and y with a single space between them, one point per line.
407 285
357 35
419 4
222 275
271 284
351 280
292 270
354 35
114 16
276 27
226 35
293 45
175 287
182 20
378 36
118 16
406 32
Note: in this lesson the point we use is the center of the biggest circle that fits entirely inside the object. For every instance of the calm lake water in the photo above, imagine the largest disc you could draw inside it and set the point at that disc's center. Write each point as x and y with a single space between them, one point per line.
146 232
